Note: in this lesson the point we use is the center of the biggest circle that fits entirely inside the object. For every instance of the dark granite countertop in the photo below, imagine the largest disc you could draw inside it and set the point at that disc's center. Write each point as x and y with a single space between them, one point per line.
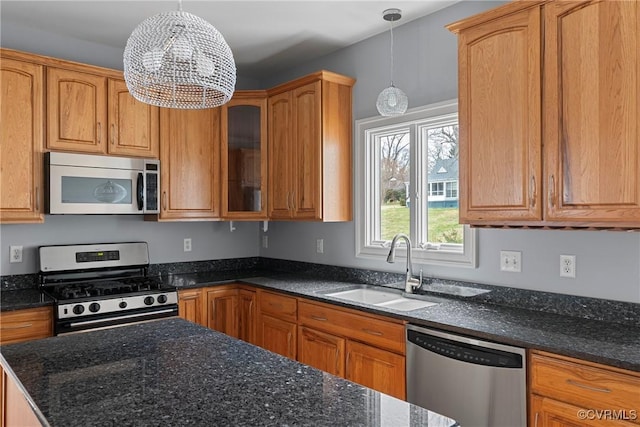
23 298
174 373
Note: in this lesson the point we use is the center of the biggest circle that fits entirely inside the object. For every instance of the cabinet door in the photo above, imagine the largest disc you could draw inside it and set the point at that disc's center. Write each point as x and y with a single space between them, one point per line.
547 412
16 411
190 306
244 158
281 153
189 164
307 139
76 111
25 325
277 335
377 369
592 104
222 311
134 127
321 350
21 138
247 316
500 119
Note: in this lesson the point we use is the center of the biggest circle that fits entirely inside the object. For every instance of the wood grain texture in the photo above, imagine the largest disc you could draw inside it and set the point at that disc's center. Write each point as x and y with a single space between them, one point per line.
76 111
25 325
277 335
592 104
242 168
281 150
21 141
223 311
278 305
192 305
247 315
547 412
134 127
378 369
17 412
190 164
321 350
500 119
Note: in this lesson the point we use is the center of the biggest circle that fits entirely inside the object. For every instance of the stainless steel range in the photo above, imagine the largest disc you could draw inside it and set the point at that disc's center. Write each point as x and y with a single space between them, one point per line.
103 285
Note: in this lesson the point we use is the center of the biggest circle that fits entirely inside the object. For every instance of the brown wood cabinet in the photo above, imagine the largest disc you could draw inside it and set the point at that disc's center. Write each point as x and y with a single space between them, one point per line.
191 306
22 140
376 368
243 147
134 127
15 410
276 326
189 164
25 325
321 350
247 315
582 89
571 392
309 123
223 311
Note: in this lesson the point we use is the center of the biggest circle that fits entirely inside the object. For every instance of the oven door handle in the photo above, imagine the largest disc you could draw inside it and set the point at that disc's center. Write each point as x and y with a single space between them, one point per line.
126 316
140 191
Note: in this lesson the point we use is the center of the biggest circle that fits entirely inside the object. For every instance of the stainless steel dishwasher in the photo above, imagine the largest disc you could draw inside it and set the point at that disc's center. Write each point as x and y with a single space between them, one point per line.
477 383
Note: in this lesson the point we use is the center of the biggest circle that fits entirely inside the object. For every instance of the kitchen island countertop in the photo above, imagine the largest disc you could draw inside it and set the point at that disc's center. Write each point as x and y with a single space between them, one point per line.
172 372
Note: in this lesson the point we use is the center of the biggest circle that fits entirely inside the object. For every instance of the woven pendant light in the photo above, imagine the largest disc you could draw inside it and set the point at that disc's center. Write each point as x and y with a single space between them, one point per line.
178 60
392 101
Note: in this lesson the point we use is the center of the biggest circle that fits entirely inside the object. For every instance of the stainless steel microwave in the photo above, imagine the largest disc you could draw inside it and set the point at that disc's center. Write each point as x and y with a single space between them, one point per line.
92 184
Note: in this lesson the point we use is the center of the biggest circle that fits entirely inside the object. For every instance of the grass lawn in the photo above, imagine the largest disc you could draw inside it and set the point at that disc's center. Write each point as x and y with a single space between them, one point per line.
443 223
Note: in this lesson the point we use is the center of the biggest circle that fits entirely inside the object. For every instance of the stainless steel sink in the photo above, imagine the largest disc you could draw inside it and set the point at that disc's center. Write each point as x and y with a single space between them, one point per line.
382 297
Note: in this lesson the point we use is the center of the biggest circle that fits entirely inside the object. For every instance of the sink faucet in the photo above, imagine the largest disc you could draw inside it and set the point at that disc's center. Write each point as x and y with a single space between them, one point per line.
411 283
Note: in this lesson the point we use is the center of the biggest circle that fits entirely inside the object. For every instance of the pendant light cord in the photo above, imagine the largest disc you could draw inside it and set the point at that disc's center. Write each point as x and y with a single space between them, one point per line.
391 32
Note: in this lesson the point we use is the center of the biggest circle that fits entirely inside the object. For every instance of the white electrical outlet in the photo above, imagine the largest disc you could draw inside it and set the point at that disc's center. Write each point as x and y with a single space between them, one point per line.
511 261
15 254
568 266
320 246
187 244
265 241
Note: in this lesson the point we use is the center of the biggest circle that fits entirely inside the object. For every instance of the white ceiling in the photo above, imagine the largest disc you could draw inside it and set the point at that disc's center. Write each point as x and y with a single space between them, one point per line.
263 35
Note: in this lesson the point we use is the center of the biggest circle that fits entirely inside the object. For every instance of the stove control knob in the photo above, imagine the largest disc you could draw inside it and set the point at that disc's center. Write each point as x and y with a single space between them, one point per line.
123 304
94 307
162 299
78 309
149 301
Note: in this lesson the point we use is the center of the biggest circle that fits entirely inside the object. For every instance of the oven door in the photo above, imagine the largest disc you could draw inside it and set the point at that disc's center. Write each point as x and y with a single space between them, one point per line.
110 320
91 190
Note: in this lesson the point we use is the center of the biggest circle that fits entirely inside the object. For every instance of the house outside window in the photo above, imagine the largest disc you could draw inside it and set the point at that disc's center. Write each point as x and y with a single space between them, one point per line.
407 182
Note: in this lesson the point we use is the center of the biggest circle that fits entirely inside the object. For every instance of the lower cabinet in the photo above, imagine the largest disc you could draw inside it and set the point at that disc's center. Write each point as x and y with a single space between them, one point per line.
14 408
569 392
222 310
191 306
277 335
376 368
321 350
25 325
247 315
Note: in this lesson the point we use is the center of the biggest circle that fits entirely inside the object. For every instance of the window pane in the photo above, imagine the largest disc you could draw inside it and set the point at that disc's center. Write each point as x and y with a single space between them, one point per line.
394 184
442 211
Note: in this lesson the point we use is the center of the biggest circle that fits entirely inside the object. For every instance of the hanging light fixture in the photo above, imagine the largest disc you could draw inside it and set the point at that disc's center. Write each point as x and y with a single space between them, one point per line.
178 60
392 101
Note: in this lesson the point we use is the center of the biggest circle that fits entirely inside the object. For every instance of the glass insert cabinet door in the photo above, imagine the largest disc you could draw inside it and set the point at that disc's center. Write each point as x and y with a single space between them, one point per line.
244 158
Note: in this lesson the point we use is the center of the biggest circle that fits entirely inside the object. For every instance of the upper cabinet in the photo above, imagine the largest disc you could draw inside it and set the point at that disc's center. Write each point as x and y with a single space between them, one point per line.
91 113
134 128
76 111
189 164
550 136
310 159
243 154
21 139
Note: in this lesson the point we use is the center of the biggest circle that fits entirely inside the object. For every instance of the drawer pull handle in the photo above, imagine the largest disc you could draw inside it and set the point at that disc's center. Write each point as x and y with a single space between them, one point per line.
532 202
25 326
535 422
318 318
588 387
369 331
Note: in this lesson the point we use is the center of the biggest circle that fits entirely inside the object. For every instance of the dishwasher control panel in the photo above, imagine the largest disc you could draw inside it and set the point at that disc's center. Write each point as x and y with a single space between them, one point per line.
465 352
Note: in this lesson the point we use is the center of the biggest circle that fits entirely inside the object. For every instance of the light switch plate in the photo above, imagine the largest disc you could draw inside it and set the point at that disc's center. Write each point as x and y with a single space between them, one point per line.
511 261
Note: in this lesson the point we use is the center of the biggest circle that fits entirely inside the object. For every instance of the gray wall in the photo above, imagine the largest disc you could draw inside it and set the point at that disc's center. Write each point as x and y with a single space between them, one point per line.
426 69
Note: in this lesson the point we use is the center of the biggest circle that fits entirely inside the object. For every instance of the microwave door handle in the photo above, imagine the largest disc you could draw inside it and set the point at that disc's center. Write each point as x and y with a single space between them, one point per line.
140 191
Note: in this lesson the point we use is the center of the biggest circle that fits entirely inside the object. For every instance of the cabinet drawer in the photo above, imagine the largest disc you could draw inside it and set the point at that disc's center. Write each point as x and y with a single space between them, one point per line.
279 306
585 385
353 324
24 325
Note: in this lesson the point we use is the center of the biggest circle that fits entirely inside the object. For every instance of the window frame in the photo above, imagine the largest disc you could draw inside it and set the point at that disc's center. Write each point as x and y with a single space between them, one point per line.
367 216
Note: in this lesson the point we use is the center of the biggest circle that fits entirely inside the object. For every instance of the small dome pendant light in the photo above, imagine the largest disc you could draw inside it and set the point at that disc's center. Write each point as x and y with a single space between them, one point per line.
178 60
392 101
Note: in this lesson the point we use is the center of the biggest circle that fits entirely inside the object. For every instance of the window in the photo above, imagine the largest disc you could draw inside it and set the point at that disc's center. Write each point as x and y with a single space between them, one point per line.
407 169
